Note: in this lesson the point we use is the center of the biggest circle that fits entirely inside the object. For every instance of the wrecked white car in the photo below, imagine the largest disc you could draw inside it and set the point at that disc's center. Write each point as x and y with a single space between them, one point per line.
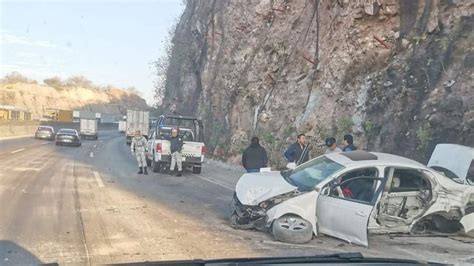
348 195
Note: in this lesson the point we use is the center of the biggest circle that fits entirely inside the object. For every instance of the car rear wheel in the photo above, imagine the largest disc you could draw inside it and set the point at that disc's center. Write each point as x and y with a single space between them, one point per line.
292 229
155 167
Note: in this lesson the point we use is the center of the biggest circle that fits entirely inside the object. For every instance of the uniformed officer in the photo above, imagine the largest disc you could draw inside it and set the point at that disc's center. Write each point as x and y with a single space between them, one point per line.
139 148
176 146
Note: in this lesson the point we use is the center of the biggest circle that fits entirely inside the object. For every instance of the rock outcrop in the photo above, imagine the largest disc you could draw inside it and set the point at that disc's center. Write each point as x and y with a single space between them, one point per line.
396 74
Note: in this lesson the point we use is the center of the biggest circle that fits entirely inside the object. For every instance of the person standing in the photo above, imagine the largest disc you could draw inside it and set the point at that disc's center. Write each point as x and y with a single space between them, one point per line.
332 147
176 146
254 156
139 148
349 141
295 150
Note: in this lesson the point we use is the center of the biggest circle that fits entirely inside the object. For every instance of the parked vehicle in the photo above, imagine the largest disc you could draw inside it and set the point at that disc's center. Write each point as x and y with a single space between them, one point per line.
137 120
88 129
191 131
44 132
122 126
67 136
347 195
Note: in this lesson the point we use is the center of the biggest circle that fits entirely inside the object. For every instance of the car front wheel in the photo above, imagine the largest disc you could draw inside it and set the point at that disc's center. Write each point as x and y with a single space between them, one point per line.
292 229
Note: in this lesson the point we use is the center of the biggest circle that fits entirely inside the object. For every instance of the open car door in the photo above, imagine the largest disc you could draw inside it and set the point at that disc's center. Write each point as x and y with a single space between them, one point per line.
454 161
343 209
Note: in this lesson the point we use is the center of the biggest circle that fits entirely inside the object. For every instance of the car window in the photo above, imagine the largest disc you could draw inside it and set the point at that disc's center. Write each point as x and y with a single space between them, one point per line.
405 180
359 185
70 132
45 129
310 174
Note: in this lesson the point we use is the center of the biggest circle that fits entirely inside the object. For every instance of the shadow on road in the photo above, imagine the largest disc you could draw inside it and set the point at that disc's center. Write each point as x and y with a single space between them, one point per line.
13 254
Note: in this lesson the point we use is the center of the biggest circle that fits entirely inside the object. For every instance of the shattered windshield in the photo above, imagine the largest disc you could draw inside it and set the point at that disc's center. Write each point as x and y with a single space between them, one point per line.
308 175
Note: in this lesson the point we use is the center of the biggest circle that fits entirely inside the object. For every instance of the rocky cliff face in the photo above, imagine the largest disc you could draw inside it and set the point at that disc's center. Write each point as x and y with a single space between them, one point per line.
36 98
396 74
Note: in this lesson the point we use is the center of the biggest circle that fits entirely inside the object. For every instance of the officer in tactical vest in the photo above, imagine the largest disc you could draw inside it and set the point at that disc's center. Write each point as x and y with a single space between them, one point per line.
139 148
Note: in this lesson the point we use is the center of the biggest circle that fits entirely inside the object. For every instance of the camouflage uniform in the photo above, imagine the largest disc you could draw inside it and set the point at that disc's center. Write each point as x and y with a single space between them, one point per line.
139 148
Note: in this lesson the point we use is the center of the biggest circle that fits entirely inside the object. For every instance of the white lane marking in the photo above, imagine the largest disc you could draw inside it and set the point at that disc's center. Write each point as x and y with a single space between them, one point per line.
15 151
215 182
98 179
91 155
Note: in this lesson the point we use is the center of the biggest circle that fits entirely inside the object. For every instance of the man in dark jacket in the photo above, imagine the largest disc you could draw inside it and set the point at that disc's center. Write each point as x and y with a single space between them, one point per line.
254 157
349 141
294 151
176 145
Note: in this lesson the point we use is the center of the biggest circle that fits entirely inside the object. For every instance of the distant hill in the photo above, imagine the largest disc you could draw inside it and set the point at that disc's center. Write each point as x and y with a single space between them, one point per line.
68 95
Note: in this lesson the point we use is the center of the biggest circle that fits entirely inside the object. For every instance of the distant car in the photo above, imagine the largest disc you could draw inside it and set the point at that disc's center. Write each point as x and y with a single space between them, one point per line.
44 132
346 195
67 136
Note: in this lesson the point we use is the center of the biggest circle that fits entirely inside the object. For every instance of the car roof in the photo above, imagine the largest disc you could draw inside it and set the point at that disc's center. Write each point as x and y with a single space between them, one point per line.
364 158
46 127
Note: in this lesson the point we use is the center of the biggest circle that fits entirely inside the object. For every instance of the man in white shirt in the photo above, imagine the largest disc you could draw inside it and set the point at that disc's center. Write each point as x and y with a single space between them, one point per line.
331 143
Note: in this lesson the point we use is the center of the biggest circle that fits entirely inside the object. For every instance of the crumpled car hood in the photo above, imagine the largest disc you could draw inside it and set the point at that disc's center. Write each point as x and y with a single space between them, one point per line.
253 188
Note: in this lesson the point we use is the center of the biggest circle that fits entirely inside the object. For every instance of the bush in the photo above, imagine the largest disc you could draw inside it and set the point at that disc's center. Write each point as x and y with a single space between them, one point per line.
79 81
424 135
16 77
345 124
54 82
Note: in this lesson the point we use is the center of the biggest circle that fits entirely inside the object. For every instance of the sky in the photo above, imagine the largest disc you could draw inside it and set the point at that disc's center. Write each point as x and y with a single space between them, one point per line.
107 41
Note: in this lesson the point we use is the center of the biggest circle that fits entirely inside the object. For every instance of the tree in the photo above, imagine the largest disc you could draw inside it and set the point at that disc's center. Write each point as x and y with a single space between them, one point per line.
161 67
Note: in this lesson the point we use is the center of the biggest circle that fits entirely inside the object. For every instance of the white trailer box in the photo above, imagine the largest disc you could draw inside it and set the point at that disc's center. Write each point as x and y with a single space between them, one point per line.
89 128
122 126
137 120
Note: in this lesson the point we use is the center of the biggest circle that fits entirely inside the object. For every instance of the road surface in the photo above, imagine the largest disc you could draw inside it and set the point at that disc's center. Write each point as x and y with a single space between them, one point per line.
88 205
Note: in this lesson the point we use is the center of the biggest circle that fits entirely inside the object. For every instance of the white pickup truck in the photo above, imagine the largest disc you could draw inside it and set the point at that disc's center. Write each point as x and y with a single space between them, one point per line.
194 150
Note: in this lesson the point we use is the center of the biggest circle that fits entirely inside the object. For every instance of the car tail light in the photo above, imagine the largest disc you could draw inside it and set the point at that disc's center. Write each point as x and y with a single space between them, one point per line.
203 150
158 147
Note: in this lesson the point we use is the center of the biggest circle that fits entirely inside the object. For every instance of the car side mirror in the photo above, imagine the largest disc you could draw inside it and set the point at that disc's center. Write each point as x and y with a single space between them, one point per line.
291 165
325 191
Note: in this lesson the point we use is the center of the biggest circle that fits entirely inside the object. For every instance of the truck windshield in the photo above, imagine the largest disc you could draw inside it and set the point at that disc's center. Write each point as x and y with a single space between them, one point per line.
185 134
310 174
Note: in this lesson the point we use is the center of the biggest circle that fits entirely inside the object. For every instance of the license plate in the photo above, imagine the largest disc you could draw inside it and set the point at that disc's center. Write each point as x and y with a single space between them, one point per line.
67 140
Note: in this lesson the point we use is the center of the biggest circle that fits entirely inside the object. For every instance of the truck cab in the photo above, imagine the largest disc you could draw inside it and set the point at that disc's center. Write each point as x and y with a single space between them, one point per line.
190 130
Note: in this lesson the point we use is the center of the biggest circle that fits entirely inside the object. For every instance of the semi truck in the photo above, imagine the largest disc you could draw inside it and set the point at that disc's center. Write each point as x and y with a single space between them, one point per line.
88 128
137 121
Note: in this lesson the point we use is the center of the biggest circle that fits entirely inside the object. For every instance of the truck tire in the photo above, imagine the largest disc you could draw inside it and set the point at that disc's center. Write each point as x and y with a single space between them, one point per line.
196 169
292 229
155 167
